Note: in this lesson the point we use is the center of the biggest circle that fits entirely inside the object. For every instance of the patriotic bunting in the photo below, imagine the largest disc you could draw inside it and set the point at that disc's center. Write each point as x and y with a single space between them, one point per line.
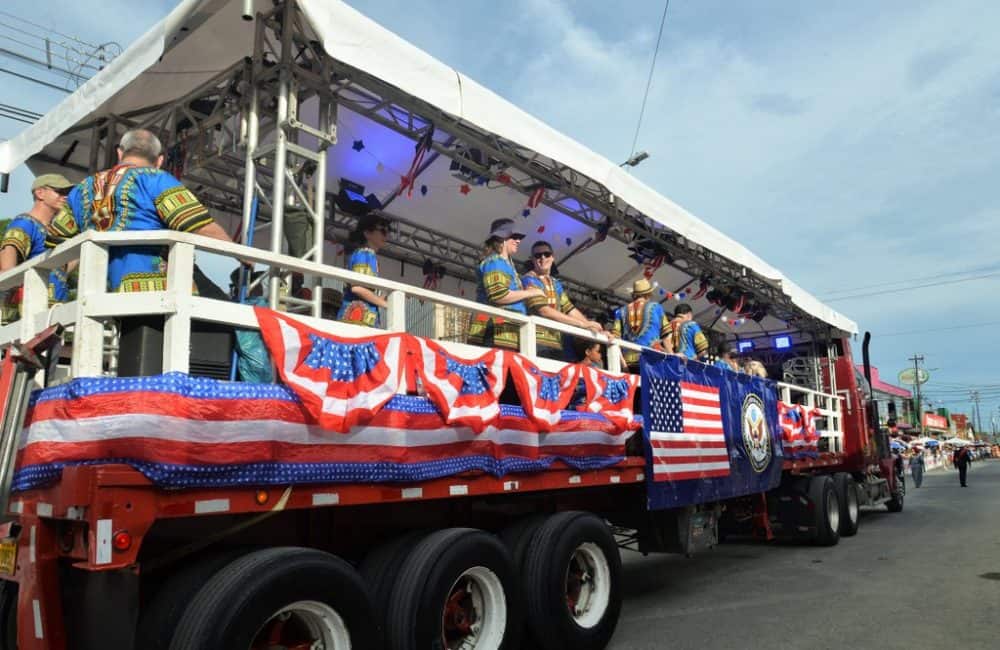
467 391
611 396
798 430
341 381
543 395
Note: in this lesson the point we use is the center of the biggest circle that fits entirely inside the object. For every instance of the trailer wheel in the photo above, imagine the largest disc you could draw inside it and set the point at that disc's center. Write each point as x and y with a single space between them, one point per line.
8 615
847 496
458 589
280 597
381 567
160 616
518 536
826 511
895 504
572 582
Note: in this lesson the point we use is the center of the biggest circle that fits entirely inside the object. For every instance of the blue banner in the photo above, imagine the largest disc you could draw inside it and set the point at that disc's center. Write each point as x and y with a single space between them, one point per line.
710 434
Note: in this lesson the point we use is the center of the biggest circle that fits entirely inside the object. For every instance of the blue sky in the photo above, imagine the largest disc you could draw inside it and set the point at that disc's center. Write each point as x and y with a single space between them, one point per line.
847 145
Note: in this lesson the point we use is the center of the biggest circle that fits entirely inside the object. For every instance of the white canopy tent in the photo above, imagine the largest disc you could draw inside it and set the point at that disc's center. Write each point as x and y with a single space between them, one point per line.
389 94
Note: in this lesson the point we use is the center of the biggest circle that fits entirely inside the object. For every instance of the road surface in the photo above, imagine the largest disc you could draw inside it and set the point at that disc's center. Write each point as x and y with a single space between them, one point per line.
928 577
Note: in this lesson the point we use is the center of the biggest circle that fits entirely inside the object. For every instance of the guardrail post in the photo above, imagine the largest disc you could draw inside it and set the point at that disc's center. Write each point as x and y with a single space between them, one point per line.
395 313
34 300
529 344
177 329
88 333
614 357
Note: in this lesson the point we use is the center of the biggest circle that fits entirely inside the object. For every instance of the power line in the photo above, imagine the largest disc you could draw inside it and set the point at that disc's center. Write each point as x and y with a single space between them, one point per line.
937 276
47 29
37 81
940 329
913 288
649 79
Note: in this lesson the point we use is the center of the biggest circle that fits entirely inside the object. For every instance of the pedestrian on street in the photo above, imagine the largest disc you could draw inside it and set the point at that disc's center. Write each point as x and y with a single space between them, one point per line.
962 459
917 467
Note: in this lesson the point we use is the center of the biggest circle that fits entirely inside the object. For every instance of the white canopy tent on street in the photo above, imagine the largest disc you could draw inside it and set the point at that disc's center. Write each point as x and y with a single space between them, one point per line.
201 39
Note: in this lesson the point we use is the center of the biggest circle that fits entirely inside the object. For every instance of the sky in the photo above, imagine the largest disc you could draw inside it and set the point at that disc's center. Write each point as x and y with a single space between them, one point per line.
850 145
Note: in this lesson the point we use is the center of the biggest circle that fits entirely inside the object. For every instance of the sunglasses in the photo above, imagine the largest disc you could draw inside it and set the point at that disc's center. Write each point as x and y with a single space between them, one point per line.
541 255
62 191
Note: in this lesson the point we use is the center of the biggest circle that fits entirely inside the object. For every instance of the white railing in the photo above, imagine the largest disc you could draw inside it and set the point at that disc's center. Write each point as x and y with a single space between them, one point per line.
94 304
831 422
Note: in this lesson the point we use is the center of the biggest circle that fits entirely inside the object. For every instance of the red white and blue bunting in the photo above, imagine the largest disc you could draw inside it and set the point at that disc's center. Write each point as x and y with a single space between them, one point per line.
612 396
544 395
466 391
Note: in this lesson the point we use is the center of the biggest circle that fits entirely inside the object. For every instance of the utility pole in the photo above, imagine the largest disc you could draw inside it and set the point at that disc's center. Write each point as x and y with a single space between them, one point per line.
916 384
974 396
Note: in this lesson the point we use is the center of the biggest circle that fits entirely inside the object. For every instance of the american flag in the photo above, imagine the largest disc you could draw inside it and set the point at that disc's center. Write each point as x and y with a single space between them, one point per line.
685 431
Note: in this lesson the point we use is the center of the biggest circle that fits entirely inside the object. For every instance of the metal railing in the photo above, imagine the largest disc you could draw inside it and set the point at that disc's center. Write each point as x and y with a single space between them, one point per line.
829 425
94 305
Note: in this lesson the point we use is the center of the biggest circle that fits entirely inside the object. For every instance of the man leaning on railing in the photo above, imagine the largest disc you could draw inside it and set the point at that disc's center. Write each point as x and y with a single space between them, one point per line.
135 194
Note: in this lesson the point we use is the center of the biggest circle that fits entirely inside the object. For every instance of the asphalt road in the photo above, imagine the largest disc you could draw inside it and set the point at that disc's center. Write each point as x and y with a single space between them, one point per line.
917 579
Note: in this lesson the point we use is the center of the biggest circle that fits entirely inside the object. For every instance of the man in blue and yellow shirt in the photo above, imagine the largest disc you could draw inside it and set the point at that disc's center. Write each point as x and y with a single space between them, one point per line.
689 340
136 194
26 234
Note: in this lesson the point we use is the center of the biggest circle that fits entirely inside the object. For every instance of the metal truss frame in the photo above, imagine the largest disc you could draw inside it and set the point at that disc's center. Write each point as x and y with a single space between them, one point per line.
220 127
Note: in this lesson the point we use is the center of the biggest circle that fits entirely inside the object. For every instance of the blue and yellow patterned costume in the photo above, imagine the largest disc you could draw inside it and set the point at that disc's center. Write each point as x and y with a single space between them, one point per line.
690 341
643 322
28 237
128 197
496 277
354 309
555 297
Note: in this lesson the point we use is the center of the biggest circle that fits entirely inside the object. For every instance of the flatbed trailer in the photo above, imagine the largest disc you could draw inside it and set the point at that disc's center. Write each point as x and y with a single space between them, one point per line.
100 550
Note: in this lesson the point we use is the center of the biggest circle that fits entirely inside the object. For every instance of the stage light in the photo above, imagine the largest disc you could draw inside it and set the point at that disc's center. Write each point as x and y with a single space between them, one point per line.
782 342
351 198
744 346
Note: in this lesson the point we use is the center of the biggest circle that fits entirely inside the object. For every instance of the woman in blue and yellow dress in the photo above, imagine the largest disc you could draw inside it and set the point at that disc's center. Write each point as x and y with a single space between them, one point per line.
499 285
361 304
642 321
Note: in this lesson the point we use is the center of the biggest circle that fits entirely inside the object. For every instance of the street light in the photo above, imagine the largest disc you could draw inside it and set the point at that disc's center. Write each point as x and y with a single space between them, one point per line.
635 159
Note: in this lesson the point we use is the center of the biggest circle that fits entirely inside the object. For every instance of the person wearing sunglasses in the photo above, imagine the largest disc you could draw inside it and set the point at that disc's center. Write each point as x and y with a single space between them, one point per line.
499 285
26 234
361 304
555 304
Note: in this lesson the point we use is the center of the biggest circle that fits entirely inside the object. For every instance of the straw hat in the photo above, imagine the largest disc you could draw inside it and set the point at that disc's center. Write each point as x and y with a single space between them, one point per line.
641 287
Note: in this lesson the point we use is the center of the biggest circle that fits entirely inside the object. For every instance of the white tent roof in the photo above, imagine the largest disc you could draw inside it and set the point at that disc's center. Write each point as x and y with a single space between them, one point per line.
200 38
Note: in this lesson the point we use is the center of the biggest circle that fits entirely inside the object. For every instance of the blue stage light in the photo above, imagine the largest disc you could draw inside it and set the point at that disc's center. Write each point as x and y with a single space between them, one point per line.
782 342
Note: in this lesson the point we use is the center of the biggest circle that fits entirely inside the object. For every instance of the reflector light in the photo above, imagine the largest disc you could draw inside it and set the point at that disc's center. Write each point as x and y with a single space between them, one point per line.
261 497
122 540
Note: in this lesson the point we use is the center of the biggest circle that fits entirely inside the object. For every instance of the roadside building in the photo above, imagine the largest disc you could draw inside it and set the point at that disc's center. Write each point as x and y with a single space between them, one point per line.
895 404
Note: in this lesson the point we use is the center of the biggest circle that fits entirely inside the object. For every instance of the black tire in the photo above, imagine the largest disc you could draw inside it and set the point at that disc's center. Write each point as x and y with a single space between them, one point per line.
558 543
895 504
381 567
850 510
518 536
8 615
160 616
416 615
232 607
826 511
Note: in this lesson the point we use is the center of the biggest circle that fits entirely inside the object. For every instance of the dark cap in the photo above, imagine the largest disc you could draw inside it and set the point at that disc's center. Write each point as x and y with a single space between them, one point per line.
504 229
371 222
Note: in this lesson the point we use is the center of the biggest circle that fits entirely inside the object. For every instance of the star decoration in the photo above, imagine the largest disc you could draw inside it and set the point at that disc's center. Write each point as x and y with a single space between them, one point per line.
541 228
423 190
358 145
526 213
465 189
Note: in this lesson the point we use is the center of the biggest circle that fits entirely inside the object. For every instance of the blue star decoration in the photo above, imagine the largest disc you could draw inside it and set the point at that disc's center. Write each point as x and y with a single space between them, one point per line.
526 213
474 376
358 145
423 190
615 390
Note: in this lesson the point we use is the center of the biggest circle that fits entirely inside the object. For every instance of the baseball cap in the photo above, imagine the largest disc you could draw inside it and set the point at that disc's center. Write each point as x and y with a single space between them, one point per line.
55 181
504 229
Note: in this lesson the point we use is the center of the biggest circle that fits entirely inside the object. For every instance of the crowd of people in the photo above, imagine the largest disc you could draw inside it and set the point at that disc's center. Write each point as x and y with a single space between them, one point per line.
920 458
136 194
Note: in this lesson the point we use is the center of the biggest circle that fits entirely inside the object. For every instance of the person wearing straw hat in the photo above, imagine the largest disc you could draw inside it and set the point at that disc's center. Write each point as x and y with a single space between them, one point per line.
26 235
642 321
499 285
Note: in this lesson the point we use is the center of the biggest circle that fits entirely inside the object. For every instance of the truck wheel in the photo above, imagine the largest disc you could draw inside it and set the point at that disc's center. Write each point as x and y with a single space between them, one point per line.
895 504
518 535
8 615
572 578
847 496
458 589
159 618
381 567
826 511
284 597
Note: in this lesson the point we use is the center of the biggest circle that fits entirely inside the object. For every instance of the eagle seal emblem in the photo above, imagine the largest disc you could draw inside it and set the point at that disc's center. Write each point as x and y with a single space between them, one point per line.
756 437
